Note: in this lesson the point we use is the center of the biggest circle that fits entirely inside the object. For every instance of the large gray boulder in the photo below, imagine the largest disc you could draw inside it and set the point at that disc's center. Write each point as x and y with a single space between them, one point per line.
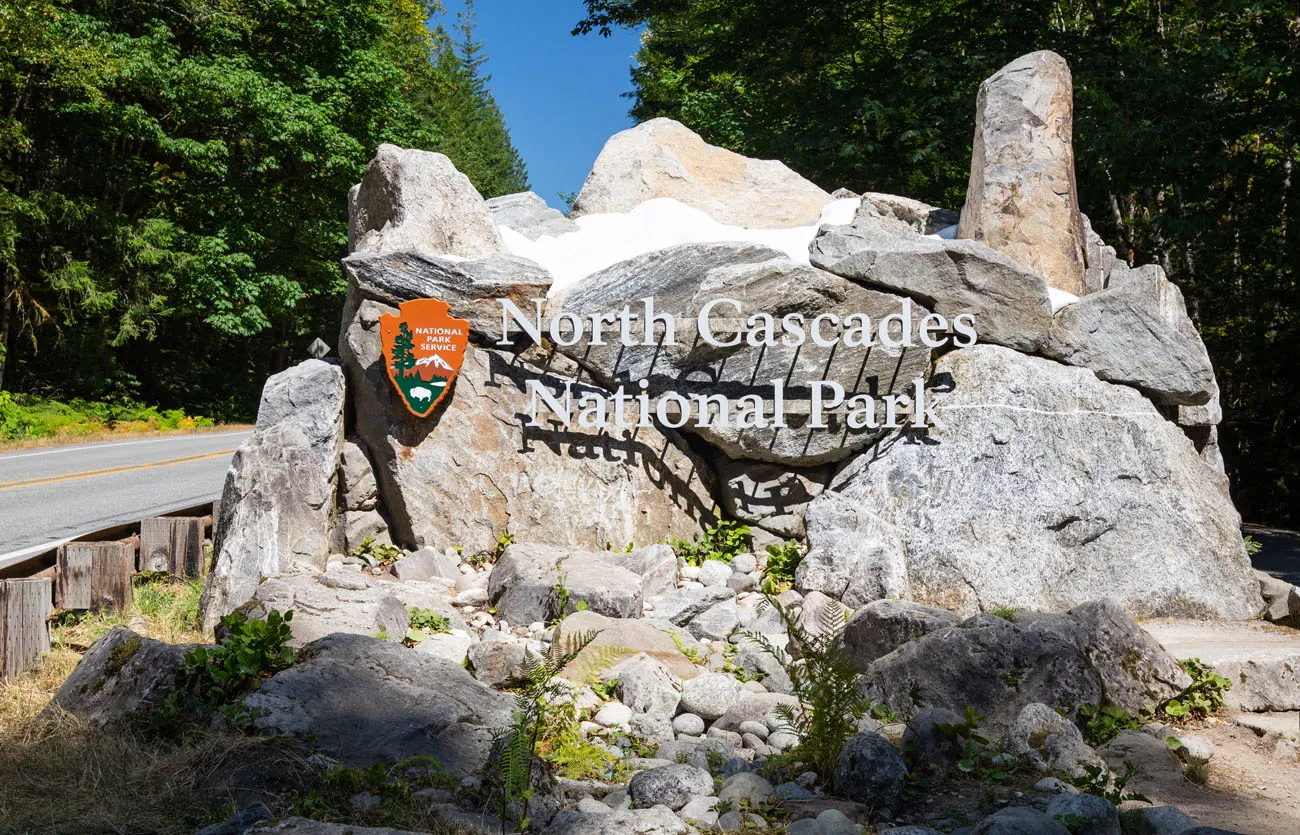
359 701
1049 742
853 554
663 158
770 496
1022 199
1094 654
525 584
1045 488
1020 820
122 677
475 470
528 214
278 503
474 287
1010 304
1137 332
322 607
882 626
657 820
684 279
417 201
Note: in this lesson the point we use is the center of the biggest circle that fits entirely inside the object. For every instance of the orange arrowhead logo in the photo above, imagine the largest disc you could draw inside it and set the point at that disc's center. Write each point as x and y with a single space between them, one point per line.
424 346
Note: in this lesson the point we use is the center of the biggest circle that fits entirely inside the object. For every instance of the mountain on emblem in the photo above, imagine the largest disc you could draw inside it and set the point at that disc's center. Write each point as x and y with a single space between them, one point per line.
424 346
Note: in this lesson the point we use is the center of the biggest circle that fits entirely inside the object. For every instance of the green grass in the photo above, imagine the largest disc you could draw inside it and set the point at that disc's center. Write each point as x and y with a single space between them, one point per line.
27 417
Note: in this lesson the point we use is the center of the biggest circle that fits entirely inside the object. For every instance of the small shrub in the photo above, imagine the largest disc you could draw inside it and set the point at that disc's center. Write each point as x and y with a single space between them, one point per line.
782 561
1102 724
377 553
1007 613
1253 545
980 758
721 542
424 622
1098 781
1202 697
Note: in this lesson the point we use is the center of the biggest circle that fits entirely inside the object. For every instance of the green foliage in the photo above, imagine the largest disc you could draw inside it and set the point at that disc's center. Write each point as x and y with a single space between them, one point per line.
172 179
692 654
1102 724
424 622
782 561
718 542
879 95
562 600
216 679
830 703
27 416
376 553
330 799
1253 546
1007 613
573 756
539 714
980 758
1098 781
1202 697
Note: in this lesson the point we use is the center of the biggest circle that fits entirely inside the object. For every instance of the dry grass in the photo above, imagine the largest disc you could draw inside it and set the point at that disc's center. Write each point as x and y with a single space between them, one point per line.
60 776
117 435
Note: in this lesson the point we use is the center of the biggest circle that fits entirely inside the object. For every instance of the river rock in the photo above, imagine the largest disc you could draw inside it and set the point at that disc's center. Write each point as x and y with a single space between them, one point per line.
869 769
524 585
278 503
430 706
1022 199
1045 488
880 626
997 667
646 686
710 695
412 200
1010 304
321 609
1136 332
528 214
122 677
669 785
657 820
474 471
683 279
663 158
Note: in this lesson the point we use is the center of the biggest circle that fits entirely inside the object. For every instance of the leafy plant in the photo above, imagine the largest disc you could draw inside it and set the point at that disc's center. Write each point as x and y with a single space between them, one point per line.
1253 545
1098 781
216 678
516 746
830 703
562 596
979 757
1202 697
721 542
425 622
692 654
377 553
782 561
1102 724
1007 613
504 540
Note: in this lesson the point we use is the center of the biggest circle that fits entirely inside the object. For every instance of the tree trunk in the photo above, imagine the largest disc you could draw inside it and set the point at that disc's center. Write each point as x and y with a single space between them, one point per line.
6 324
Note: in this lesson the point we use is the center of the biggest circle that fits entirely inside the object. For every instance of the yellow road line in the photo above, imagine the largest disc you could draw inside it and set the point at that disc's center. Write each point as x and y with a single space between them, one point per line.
167 462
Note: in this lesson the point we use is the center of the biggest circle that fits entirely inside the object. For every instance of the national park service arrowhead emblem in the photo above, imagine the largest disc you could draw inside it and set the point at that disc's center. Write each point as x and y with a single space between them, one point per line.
424 346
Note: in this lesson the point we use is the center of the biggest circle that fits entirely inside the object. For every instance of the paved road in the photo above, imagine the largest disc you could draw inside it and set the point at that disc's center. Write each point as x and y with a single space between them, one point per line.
1280 555
54 493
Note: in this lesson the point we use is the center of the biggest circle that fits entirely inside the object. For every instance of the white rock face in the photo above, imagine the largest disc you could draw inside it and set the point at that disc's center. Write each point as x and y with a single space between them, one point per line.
1048 488
278 503
418 201
1022 198
663 158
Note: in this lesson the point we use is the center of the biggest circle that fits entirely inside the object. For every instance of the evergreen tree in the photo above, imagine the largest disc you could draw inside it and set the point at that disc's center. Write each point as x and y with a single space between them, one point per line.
403 351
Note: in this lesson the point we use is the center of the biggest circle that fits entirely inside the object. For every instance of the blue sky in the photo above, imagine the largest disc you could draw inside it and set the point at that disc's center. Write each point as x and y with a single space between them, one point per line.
560 93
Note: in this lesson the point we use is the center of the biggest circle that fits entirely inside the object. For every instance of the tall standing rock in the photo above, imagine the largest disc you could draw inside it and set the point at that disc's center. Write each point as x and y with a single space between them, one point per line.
1022 199
413 200
663 158
278 503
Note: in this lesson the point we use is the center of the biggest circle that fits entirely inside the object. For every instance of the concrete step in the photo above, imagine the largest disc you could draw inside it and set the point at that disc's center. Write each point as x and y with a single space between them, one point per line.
1260 659
1269 725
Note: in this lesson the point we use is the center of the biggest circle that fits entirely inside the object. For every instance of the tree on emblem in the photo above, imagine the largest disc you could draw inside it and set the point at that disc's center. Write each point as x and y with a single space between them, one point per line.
403 351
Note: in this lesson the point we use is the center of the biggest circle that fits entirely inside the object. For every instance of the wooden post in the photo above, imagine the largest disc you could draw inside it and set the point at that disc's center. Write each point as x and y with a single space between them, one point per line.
94 575
24 627
173 544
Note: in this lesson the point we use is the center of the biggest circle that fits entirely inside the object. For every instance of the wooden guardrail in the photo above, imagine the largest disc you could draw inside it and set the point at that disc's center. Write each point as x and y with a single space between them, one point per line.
94 572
